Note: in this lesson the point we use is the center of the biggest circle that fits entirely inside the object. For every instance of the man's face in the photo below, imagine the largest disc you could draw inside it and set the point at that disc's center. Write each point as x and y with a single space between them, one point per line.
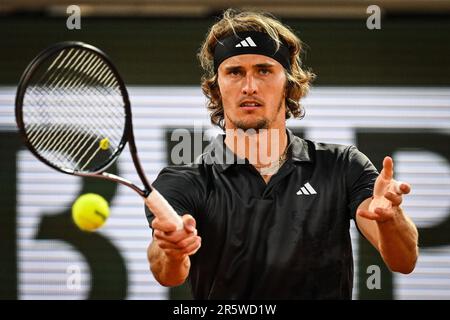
252 88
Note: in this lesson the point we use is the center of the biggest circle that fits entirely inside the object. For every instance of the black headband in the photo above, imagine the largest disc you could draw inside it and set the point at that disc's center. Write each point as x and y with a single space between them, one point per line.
250 42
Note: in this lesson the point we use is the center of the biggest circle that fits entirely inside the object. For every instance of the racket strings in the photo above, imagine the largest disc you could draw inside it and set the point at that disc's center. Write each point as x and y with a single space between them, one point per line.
59 75
74 113
85 140
44 141
60 136
76 87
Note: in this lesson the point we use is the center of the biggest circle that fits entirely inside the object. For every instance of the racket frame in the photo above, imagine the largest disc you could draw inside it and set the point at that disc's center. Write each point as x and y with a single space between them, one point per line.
127 136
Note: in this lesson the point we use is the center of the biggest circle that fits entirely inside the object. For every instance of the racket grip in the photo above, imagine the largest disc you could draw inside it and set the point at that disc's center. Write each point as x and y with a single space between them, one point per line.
159 206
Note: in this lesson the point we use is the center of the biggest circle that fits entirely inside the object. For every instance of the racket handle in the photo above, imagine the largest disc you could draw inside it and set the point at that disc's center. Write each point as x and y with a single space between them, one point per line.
159 206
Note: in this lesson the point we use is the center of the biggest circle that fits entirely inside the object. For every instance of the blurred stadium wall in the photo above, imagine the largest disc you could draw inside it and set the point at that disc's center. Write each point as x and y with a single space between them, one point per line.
386 91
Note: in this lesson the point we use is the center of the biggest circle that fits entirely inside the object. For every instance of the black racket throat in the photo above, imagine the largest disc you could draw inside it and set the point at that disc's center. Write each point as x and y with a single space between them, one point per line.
74 114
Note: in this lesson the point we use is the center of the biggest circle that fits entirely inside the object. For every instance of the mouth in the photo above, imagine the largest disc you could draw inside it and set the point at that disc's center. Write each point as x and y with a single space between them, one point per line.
250 105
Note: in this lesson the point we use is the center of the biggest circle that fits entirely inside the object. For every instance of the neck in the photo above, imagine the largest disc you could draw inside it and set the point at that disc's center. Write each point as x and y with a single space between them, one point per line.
262 148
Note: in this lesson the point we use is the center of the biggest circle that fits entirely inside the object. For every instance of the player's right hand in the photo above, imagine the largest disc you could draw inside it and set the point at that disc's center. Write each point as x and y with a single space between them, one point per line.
177 244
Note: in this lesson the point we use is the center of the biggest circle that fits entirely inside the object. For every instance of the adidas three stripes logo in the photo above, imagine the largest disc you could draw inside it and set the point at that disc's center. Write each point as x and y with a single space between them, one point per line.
247 42
307 189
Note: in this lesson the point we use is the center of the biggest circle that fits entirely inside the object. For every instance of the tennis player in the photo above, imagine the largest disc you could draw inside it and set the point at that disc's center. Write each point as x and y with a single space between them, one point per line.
278 228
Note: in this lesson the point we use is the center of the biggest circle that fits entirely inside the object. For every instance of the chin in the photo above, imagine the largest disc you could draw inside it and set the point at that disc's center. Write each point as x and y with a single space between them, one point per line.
255 124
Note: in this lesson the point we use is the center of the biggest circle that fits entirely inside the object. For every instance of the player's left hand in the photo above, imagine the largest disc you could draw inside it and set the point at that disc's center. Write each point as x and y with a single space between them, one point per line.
387 195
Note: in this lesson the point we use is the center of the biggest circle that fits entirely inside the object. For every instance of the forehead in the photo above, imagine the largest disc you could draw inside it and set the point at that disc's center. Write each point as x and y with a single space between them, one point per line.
249 60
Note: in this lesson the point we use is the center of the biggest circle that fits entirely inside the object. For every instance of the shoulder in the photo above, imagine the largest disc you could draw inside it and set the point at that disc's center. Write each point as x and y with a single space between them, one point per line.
332 151
338 157
191 174
198 173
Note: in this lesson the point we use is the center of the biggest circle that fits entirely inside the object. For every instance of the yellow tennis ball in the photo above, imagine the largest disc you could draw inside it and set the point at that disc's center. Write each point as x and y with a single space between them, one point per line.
90 211
104 144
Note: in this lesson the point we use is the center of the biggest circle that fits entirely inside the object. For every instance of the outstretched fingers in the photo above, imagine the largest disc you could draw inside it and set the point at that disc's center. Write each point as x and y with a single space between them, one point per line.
388 168
394 198
402 187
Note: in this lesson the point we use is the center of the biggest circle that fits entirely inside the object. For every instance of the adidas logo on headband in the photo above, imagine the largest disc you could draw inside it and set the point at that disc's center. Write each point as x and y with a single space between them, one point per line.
247 42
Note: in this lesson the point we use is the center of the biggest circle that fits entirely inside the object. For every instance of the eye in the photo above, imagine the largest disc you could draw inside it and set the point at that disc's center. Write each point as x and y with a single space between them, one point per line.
235 72
264 71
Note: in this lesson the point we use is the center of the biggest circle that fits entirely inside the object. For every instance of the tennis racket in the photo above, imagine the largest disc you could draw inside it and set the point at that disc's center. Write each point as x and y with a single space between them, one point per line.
74 114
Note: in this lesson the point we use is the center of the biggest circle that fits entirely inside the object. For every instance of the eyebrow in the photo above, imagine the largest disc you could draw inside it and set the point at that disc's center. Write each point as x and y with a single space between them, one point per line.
264 65
258 65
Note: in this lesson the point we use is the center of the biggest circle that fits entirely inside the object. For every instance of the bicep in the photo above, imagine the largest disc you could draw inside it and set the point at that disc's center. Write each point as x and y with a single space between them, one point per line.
368 228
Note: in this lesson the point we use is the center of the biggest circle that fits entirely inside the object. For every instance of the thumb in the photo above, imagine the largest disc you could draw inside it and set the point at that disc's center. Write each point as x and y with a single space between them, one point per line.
189 222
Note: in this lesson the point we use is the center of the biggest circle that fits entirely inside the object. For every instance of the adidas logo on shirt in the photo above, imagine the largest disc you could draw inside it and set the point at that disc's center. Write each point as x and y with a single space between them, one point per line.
247 42
307 189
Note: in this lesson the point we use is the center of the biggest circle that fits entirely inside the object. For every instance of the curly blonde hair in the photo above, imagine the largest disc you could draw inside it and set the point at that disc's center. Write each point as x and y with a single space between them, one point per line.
298 80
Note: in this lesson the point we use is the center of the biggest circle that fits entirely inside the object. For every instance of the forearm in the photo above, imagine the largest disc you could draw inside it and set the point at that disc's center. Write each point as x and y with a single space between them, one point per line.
398 239
168 272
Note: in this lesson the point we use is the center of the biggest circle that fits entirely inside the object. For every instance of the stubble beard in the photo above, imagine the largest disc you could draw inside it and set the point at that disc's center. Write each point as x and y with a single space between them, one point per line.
262 123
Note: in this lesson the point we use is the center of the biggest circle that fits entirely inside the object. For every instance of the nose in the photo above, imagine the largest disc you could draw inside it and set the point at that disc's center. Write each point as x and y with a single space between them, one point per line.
249 87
